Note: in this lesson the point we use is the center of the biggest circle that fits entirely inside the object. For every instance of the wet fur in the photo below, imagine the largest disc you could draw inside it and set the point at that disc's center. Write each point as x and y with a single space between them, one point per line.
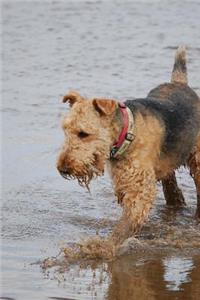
167 135
178 114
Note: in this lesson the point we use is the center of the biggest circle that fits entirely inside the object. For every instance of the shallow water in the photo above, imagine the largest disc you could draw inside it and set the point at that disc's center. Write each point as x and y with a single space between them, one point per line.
119 49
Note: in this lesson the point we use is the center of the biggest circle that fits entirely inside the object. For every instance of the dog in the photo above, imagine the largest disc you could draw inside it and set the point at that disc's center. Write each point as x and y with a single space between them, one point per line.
141 141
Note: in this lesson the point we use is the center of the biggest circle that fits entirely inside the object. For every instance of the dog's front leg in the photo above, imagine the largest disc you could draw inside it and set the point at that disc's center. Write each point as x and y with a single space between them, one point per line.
136 193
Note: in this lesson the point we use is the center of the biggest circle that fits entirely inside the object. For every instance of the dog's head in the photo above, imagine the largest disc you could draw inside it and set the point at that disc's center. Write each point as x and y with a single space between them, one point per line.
89 128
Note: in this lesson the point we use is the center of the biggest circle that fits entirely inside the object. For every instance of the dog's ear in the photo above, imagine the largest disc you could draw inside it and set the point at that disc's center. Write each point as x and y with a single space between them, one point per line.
72 97
105 106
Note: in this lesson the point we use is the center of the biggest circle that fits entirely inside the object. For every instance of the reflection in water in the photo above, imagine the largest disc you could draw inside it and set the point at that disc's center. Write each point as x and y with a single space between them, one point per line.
128 280
105 48
177 271
141 276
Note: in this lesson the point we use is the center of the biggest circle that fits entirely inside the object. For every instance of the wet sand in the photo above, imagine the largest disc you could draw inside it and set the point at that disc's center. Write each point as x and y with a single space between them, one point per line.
120 49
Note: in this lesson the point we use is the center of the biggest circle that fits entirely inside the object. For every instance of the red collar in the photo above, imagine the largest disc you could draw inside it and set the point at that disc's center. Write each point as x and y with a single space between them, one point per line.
124 135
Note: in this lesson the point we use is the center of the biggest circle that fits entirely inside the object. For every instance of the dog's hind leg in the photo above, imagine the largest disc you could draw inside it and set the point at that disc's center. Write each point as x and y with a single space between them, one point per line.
194 165
173 194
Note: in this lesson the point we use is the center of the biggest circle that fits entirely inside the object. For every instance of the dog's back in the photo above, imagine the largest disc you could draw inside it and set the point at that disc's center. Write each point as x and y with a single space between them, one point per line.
177 107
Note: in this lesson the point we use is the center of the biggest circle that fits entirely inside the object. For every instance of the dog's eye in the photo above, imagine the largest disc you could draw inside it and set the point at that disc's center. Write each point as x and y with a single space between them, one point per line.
83 134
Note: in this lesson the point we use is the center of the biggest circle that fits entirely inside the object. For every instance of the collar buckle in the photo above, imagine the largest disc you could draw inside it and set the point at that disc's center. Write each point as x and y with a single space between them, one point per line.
129 136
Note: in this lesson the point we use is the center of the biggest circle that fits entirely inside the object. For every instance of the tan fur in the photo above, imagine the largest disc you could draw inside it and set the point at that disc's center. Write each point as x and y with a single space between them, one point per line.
72 97
194 165
104 106
134 176
93 126
87 163
172 192
180 62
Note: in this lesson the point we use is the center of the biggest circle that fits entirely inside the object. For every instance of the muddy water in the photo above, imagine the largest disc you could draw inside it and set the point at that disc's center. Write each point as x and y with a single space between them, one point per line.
114 48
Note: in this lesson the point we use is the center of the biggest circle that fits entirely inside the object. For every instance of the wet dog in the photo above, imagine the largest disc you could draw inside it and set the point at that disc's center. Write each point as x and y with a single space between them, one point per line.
141 141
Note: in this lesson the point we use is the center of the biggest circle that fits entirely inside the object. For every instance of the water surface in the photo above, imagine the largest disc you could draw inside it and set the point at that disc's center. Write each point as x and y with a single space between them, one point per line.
119 49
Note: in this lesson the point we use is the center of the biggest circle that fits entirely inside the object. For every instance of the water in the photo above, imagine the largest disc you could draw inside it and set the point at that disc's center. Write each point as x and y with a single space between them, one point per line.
118 49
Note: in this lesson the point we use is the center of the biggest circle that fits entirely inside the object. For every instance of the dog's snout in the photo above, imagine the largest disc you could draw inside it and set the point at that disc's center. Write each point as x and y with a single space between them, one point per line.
63 165
61 169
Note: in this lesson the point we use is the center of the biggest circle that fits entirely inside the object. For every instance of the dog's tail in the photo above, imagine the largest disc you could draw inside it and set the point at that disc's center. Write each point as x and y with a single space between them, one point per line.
179 73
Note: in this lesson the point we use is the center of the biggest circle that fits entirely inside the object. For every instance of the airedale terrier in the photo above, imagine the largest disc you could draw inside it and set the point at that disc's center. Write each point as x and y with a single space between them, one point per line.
141 141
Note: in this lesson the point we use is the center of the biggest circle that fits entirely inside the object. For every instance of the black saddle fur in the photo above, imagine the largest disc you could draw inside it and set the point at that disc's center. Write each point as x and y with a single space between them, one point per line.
177 107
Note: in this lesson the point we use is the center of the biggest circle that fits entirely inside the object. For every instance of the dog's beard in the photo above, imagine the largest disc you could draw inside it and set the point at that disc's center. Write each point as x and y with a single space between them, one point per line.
84 176
85 171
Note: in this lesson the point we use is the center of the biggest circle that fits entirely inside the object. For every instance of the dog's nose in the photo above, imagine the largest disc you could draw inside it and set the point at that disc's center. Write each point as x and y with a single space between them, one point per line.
63 172
61 169
60 166
61 163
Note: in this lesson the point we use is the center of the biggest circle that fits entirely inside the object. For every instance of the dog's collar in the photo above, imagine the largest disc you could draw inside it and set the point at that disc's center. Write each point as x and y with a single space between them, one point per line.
126 136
